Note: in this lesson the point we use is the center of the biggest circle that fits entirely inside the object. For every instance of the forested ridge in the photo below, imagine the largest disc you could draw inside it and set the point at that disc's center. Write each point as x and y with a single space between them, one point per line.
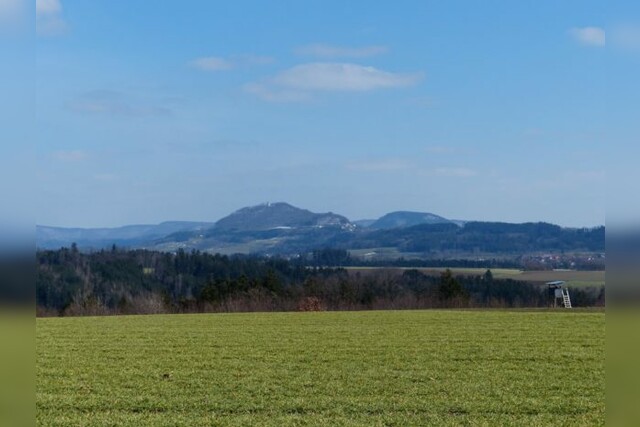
70 282
282 229
429 240
490 237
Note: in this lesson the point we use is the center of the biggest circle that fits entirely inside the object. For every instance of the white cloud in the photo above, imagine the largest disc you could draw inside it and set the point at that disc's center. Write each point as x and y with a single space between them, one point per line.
217 63
106 177
423 101
117 104
440 149
212 63
9 8
589 36
299 82
324 76
49 19
14 17
329 51
533 132
389 165
402 165
626 37
271 94
585 176
454 172
70 156
449 151
248 59
44 7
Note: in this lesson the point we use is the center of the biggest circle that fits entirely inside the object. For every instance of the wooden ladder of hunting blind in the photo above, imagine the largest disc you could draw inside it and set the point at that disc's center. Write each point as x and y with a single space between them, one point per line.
565 298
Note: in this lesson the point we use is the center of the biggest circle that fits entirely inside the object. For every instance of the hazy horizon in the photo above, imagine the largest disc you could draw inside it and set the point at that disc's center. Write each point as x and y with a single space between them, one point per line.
350 218
360 109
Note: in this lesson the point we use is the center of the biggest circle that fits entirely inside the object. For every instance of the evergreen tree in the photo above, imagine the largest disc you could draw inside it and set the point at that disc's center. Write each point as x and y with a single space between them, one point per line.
449 287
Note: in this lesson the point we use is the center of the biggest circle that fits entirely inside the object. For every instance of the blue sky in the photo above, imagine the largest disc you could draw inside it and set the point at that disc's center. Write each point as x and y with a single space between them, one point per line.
189 110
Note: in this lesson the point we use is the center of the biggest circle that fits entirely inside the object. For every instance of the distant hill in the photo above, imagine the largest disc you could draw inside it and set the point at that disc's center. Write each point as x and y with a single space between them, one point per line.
481 238
279 215
283 229
97 238
270 228
402 219
364 223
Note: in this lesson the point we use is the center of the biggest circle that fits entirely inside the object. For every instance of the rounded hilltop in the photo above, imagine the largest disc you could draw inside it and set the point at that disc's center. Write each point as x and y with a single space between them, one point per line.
269 215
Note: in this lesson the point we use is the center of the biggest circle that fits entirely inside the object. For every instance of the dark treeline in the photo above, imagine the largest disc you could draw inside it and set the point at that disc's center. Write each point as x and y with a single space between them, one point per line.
483 237
329 257
69 282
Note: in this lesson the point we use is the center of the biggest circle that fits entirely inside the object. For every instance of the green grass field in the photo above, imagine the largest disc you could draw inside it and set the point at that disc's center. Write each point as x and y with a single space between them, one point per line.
400 368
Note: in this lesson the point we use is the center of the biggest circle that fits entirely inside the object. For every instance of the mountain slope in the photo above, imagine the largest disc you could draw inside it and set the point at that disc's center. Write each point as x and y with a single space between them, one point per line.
402 219
278 215
364 223
96 238
282 229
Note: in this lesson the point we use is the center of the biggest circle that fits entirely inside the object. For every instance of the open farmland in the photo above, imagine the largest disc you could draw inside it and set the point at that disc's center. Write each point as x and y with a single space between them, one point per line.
341 368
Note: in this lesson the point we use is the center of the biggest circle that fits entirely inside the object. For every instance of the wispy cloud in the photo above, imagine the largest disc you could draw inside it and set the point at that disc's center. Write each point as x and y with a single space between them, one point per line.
116 104
422 101
388 165
626 37
217 63
48 6
571 180
534 132
9 9
342 77
449 151
589 36
440 149
249 59
407 166
299 82
106 177
586 176
271 93
70 156
326 51
212 63
454 172
49 19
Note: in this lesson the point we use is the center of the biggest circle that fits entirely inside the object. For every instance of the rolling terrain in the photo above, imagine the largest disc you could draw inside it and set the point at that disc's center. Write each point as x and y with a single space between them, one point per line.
282 229
128 236
402 219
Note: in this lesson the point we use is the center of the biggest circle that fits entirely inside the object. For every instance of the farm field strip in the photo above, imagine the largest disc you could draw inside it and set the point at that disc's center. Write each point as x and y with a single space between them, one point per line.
442 367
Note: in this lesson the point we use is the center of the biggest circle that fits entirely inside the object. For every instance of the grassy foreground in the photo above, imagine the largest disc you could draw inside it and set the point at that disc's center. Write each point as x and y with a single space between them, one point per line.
347 368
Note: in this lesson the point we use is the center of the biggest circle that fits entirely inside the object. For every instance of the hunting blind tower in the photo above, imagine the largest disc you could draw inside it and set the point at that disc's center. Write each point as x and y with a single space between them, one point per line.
558 291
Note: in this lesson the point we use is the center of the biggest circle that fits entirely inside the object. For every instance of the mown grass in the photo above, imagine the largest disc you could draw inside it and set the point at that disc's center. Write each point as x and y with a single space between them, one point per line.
346 368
